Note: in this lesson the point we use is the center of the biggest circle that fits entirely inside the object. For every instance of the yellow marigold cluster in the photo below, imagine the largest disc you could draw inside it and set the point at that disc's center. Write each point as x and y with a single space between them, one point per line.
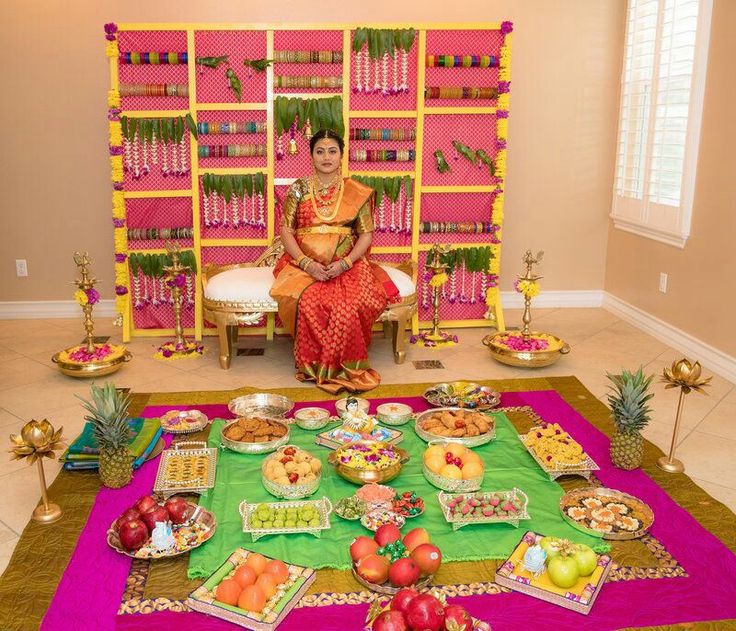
438 280
497 212
116 134
501 161
116 167
113 99
118 205
112 49
492 296
81 297
504 69
120 236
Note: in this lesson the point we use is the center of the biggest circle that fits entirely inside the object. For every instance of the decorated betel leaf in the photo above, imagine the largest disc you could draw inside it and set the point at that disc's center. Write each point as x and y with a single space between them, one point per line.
486 159
169 129
234 83
464 150
259 65
134 263
156 128
387 42
164 127
212 62
191 124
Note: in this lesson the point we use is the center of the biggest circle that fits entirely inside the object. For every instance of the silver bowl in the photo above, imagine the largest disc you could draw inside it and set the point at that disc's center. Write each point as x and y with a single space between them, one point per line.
312 418
468 441
255 448
262 404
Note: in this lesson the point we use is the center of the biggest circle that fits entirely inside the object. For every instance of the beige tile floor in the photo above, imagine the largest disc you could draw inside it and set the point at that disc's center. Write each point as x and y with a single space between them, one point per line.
30 387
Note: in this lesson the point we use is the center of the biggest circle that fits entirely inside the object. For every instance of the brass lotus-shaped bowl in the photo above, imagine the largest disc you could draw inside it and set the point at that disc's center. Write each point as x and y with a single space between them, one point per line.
98 368
526 359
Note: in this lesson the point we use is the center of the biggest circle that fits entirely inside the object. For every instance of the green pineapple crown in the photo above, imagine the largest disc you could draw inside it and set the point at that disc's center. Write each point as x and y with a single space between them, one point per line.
108 413
628 400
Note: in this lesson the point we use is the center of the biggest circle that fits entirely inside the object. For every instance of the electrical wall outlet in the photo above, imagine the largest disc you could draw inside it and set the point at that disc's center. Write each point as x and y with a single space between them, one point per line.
663 282
21 267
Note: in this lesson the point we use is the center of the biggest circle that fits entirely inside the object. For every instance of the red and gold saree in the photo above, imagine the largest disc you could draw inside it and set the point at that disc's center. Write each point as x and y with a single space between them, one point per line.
331 321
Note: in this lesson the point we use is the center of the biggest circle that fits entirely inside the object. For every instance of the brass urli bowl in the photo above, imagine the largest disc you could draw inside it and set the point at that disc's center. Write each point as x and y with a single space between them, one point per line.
97 368
526 359
367 476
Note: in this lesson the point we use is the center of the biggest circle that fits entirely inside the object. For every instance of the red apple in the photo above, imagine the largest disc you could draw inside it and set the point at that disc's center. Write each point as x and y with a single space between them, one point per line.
373 568
133 534
390 621
402 598
388 533
178 509
403 572
144 504
427 557
128 515
460 616
415 537
425 612
362 546
159 513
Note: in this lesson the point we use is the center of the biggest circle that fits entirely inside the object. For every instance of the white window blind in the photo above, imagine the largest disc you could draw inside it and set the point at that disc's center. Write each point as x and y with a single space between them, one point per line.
662 86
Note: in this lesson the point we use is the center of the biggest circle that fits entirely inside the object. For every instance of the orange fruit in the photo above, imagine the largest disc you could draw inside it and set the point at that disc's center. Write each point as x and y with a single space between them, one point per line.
434 451
278 569
472 470
257 562
456 449
451 471
245 576
435 463
268 584
228 592
252 599
471 456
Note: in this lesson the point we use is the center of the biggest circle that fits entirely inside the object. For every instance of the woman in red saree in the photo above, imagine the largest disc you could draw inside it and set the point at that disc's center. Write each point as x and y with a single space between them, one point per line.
329 294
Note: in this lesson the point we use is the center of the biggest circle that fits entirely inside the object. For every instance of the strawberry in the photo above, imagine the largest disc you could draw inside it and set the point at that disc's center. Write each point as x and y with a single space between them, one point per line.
285 459
494 501
293 477
290 451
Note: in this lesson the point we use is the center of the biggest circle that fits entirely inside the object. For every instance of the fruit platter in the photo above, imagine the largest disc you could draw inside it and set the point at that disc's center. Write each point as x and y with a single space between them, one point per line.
453 467
153 530
365 461
285 518
453 424
555 570
188 467
291 473
556 452
183 421
462 394
252 590
409 610
388 561
615 515
255 435
464 509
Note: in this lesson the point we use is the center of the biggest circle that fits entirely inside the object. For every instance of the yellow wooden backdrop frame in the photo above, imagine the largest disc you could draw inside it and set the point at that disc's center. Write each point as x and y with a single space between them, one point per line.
195 108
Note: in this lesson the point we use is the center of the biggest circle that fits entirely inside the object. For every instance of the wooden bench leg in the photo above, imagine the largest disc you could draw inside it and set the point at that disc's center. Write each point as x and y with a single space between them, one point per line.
226 346
398 336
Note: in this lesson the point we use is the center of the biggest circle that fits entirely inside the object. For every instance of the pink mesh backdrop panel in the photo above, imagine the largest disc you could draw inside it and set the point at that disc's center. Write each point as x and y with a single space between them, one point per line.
382 123
462 43
468 303
307 40
152 304
280 196
245 212
157 157
456 207
477 131
162 212
377 101
293 166
233 139
212 84
159 41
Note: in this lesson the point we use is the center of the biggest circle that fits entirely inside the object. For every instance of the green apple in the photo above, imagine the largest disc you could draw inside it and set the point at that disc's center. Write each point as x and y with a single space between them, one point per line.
586 559
563 571
550 546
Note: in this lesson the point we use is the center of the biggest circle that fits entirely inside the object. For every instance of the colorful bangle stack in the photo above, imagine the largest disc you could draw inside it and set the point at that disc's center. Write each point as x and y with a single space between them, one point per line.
383 134
215 127
231 151
462 61
449 92
286 81
382 155
154 89
153 58
307 56
303 262
465 227
151 234
346 264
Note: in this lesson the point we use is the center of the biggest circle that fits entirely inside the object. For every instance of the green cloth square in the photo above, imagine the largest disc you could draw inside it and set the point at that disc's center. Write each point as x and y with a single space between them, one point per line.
85 447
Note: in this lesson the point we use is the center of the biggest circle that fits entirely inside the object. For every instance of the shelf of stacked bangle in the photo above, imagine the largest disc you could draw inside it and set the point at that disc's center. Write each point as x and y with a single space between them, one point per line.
382 155
307 81
465 92
307 56
464 227
462 61
153 58
152 234
206 128
154 89
358 133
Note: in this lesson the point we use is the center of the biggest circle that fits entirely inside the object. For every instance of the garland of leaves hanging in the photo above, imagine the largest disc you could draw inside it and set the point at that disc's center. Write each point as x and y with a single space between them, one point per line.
148 284
152 265
146 140
223 196
473 262
382 46
306 115
397 191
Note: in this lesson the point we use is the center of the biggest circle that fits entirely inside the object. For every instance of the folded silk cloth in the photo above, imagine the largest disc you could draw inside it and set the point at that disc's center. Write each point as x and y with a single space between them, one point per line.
86 443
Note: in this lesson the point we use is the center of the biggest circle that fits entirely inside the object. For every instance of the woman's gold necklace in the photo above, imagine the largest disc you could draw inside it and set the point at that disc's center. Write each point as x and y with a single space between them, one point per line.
322 203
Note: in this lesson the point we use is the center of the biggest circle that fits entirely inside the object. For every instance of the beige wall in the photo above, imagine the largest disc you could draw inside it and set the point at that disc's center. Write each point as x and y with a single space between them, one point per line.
700 298
54 175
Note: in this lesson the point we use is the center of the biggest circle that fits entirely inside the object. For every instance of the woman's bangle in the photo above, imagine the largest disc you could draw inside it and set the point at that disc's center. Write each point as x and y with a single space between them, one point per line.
346 263
303 262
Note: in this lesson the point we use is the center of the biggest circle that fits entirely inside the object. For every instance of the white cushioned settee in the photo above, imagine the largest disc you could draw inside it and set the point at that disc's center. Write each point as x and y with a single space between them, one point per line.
238 295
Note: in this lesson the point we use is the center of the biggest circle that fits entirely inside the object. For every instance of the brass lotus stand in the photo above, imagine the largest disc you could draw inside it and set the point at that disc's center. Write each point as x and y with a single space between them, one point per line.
531 349
89 359
36 440
686 376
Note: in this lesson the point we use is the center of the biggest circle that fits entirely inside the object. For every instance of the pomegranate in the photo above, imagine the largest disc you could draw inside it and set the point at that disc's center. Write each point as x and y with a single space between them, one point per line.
373 568
144 504
427 557
403 572
178 509
388 533
156 514
459 616
128 515
415 537
133 534
362 546
390 621
425 613
402 598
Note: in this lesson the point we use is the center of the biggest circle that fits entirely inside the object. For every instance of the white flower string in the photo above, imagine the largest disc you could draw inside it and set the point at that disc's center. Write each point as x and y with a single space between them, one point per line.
215 209
136 168
154 148
146 169
253 210
358 85
404 71
408 222
190 290
137 292
146 298
236 217
154 298
399 205
224 211
367 67
183 152
128 155
453 286
245 221
206 208
261 211
396 71
377 75
473 295
463 297
483 286
384 74
174 159
392 229
165 158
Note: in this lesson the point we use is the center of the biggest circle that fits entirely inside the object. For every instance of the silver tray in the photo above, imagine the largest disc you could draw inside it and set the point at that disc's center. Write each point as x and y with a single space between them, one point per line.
460 521
468 441
463 394
262 404
583 468
200 421
190 449
254 448
323 506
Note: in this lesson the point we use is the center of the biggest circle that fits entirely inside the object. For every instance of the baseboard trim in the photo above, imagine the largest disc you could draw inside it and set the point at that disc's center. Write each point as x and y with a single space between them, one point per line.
584 298
43 309
709 356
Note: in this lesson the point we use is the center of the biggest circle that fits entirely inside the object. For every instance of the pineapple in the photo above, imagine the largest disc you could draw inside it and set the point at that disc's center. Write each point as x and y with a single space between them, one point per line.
108 413
628 402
